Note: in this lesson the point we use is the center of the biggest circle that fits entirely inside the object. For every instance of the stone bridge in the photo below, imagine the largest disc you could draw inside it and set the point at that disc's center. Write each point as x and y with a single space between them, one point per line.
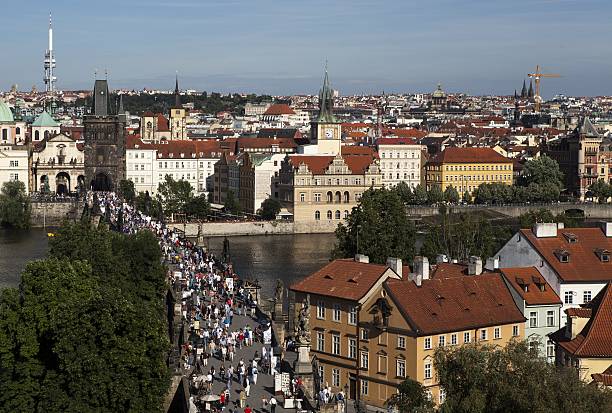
589 210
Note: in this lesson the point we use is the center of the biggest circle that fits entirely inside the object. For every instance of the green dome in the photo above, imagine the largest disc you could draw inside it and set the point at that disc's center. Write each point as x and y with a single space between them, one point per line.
5 112
45 120
439 93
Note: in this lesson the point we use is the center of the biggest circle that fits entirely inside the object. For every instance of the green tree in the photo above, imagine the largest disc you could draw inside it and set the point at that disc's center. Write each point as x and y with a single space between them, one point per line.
435 195
270 208
148 205
411 397
173 195
601 190
404 192
232 205
198 206
492 379
420 195
541 215
14 205
543 170
382 226
451 195
467 197
127 191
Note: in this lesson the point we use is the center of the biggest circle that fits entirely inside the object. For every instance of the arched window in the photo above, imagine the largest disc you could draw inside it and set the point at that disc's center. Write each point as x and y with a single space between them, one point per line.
46 134
346 214
317 215
36 135
330 197
338 197
329 215
337 214
17 130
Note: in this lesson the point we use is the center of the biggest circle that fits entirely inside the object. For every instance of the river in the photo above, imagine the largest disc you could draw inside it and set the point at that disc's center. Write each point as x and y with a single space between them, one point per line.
265 257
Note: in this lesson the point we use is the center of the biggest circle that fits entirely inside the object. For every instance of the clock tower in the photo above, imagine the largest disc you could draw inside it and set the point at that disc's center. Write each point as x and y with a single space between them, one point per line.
325 130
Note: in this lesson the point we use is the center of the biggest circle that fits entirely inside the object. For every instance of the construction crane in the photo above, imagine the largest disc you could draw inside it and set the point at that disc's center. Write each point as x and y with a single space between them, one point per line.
537 76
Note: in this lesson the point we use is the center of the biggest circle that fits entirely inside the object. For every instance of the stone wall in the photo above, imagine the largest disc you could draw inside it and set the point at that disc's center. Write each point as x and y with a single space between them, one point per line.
52 214
221 229
591 211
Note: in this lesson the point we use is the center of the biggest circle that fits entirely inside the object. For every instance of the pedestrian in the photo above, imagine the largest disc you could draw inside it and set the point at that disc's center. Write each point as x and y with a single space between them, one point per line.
248 409
242 398
272 403
247 388
264 403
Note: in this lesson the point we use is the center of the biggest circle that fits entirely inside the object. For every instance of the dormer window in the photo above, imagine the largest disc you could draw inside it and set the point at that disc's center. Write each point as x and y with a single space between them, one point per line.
539 283
603 254
562 255
524 286
571 238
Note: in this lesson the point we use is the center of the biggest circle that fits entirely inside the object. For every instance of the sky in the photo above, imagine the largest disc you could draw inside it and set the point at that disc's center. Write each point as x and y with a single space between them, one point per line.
280 47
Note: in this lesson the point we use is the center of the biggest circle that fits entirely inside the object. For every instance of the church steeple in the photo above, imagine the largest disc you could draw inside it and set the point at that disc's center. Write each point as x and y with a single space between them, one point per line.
524 90
177 94
326 101
530 93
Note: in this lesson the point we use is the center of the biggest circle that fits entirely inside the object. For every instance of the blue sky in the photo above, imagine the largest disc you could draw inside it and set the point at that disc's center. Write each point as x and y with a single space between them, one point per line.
273 46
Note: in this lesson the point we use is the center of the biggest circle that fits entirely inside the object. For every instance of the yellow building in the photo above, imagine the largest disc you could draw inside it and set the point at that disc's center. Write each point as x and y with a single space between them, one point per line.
467 168
178 117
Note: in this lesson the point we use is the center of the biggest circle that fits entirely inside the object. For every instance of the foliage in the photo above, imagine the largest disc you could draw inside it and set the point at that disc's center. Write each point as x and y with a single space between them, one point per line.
467 197
270 208
411 397
85 331
451 195
531 217
232 206
198 207
542 171
601 190
514 379
382 226
404 192
435 195
127 191
460 236
174 195
147 205
14 205
420 195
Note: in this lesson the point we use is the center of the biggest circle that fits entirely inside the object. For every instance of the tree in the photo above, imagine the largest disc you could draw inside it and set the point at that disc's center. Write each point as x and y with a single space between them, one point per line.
270 208
380 223
173 195
147 205
467 197
528 219
198 206
435 195
420 195
492 379
14 205
127 191
543 170
601 190
411 397
451 195
404 192
232 206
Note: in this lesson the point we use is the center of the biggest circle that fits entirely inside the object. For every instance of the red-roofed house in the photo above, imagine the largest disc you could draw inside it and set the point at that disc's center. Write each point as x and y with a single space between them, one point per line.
154 127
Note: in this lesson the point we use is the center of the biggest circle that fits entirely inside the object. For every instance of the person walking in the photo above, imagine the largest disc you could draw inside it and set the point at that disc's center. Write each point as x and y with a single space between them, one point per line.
272 403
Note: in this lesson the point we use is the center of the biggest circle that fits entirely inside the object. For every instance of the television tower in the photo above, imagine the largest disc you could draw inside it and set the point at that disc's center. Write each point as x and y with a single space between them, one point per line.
50 78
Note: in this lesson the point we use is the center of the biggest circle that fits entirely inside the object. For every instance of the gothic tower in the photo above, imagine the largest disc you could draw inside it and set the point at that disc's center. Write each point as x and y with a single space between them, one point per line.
325 130
524 90
177 116
104 136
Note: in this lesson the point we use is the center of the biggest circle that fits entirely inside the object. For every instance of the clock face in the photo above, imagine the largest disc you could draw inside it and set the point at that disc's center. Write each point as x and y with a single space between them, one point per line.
329 133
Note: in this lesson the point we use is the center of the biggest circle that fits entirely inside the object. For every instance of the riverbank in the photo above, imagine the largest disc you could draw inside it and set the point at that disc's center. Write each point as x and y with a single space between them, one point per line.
225 229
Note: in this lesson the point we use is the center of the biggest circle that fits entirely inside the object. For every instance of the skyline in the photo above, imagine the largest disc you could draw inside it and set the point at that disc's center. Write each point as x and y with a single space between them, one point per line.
476 48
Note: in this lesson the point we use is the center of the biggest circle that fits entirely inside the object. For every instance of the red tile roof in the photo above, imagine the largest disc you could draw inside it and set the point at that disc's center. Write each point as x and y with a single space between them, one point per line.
448 270
357 160
265 143
343 278
395 141
579 312
468 155
530 277
179 149
279 109
604 378
404 133
595 339
442 305
584 264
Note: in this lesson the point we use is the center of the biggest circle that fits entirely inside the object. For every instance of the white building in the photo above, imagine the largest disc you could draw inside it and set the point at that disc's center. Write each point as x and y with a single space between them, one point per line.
14 164
256 174
400 161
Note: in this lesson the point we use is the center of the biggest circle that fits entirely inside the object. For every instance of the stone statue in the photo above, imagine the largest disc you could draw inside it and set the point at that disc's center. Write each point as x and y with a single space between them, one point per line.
302 323
278 294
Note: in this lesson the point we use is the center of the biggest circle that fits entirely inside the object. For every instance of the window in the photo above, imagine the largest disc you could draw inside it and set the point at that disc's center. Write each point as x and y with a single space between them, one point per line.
320 341
364 334
336 344
338 215
346 214
382 363
302 197
569 297
317 197
533 319
550 350
466 337
336 377
320 309
321 372
14 177
442 397
515 331
400 368
427 343
330 197
329 215
352 316
14 164
317 215
336 313
453 339
427 371
401 342
364 387
497 333
550 318
586 297
352 348
364 360
441 341
483 334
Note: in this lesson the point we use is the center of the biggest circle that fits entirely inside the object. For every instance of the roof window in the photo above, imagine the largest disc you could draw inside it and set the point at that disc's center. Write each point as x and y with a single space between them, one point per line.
571 238
562 255
603 254
539 283
524 285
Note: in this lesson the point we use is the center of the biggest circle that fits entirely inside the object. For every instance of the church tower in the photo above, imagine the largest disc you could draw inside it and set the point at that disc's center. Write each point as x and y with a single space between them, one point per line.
104 136
325 130
177 116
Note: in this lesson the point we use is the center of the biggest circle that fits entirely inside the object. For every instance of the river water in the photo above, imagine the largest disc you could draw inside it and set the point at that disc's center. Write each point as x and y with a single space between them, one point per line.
265 257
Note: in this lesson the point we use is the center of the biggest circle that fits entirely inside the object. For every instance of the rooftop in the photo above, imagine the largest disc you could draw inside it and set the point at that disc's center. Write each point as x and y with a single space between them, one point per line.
468 155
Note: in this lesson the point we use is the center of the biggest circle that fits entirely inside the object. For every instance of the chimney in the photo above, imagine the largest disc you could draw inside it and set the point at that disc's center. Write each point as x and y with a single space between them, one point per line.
417 278
492 264
440 258
362 258
560 225
395 264
545 229
606 227
421 267
474 265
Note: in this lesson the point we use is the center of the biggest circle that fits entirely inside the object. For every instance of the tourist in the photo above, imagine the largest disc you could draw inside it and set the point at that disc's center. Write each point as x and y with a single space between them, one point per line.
272 403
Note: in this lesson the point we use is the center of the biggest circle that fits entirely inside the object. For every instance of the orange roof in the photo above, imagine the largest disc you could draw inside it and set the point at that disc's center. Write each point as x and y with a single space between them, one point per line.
358 159
579 312
404 133
538 290
468 155
584 264
345 278
595 339
279 109
604 378
448 270
443 305
266 143
395 141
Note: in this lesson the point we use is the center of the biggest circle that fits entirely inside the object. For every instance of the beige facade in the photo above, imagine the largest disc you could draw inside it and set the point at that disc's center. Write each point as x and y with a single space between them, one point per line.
178 124
59 163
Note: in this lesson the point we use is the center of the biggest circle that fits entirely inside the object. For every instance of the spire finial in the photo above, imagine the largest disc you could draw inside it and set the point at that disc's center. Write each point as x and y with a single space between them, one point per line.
49 19
95 74
105 74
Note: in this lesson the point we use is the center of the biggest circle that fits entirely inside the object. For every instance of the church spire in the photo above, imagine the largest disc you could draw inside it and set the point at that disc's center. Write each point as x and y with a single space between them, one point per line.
326 101
177 93
524 90
530 93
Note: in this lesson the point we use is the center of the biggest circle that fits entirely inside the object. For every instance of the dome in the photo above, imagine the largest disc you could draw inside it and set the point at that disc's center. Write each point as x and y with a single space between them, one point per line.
5 112
45 120
439 93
